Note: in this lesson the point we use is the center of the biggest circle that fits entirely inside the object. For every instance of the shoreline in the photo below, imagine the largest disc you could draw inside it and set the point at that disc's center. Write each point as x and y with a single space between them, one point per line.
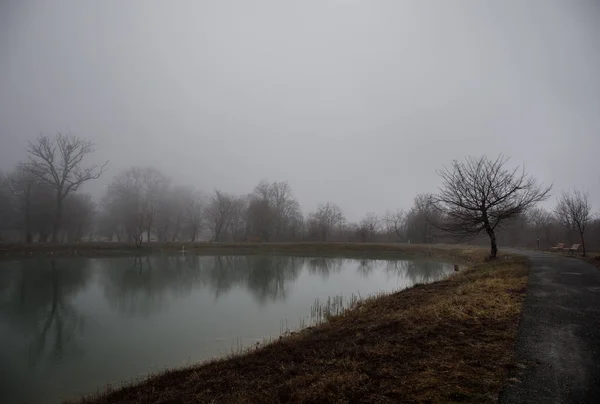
463 254
451 340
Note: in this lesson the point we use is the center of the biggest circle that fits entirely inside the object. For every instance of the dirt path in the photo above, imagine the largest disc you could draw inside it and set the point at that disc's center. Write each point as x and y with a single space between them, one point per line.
558 343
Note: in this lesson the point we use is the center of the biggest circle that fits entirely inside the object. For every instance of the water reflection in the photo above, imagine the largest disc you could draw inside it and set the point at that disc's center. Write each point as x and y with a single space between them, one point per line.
325 267
139 285
35 301
35 294
417 271
39 325
268 277
365 267
70 325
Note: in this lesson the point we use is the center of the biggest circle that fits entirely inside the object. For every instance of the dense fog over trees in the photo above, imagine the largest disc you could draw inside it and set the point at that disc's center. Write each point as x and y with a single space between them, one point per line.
355 103
281 121
477 197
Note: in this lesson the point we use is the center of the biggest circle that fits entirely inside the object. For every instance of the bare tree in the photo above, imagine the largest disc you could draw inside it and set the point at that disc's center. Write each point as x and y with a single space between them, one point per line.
79 222
108 226
325 219
542 222
33 204
395 223
538 217
575 212
177 208
43 211
238 223
170 213
193 213
58 162
261 215
124 206
479 194
272 211
368 227
132 200
156 187
296 226
219 213
260 218
6 207
285 207
422 218
22 184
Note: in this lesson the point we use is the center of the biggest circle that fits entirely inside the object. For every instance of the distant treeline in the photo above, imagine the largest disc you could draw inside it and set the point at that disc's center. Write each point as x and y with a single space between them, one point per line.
40 202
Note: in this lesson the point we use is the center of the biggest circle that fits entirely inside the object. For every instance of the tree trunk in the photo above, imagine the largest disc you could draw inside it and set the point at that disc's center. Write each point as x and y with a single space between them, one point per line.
582 243
494 246
57 219
398 235
28 236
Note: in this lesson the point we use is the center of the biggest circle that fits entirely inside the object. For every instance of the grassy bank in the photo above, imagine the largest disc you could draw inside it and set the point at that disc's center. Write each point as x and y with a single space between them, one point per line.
450 341
94 249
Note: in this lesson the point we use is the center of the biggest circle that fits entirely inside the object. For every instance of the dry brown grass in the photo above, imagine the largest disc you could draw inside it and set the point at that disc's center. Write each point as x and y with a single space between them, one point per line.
450 341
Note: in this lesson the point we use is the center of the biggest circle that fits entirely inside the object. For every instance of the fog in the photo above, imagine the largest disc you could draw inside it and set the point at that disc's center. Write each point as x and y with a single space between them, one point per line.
356 102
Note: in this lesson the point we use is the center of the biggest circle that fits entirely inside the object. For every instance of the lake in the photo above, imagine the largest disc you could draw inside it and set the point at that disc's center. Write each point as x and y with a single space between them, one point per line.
70 326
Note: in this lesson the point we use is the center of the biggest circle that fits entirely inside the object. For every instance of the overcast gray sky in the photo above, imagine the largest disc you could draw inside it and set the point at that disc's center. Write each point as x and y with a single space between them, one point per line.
355 102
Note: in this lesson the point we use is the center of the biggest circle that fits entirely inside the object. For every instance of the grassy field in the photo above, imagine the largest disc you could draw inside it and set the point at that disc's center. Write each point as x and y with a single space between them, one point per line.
450 341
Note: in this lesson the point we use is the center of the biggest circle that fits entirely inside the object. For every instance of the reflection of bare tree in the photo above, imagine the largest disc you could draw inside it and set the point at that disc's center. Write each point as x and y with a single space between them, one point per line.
264 275
138 284
396 268
365 267
226 272
418 271
325 266
39 305
60 326
269 276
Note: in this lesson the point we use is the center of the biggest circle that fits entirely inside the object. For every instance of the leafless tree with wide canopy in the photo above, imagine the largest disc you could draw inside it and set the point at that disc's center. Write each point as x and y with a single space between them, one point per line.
480 194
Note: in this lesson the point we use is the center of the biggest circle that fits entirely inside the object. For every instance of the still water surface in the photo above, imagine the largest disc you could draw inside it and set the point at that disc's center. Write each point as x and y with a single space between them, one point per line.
70 326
